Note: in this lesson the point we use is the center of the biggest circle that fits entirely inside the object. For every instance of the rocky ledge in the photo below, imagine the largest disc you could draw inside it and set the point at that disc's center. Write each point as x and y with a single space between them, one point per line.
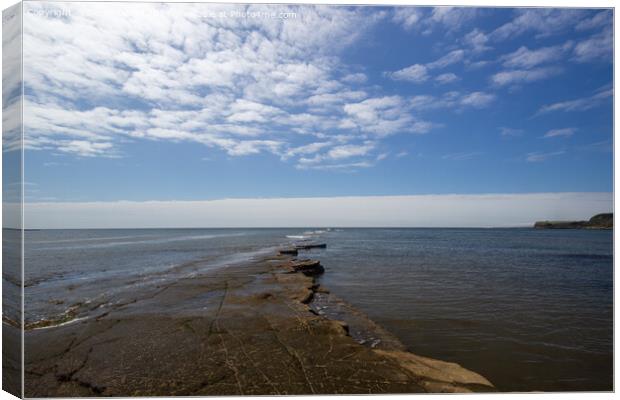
599 221
254 329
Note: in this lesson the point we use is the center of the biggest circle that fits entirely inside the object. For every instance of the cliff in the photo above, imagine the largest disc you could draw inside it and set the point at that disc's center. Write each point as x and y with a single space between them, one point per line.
599 221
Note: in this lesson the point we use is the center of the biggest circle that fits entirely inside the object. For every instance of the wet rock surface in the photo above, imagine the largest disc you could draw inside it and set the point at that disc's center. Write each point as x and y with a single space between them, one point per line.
309 246
307 267
255 329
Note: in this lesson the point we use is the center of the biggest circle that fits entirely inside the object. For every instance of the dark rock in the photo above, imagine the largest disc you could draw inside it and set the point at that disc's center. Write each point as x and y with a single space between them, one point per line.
292 252
560 224
599 221
311 246
308 267
602 221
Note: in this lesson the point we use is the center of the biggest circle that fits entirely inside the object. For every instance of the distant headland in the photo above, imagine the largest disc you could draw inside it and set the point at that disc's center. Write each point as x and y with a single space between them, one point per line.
599 221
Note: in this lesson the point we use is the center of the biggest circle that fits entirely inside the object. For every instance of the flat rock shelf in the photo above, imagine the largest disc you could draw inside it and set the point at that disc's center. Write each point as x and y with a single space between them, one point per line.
256 329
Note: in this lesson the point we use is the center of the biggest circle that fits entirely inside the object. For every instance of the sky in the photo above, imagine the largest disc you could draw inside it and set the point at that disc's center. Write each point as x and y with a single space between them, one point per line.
195 102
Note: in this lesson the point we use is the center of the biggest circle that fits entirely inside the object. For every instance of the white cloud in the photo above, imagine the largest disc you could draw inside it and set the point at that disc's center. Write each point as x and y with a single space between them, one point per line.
419 73
452 100
407 17
382 156
451 58
309 148
510 131
12 124
526 58
477 99
446 78
477 40
541 21
423 126
463 156
373 118
598 47
478 64
426 102
582 104
560 132
11 79
334 156
239 85
11 56
539 156
331 99
350 150
519 76
452 18
383 116
416 73
524 63
603 146
343 159
451 210
247 147
85 148
249 111
345 167
357 77
601 19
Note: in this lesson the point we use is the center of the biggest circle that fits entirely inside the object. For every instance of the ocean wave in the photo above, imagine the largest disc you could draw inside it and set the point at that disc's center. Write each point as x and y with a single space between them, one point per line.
314 233
308 234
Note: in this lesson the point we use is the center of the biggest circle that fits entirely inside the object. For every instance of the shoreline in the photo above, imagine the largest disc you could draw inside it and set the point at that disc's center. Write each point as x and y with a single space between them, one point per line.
259 328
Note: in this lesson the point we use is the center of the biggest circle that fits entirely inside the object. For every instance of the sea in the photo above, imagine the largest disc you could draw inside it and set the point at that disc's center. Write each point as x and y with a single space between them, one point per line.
531 310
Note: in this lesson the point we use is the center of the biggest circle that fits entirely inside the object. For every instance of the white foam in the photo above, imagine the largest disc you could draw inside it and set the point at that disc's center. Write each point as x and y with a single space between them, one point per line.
58 325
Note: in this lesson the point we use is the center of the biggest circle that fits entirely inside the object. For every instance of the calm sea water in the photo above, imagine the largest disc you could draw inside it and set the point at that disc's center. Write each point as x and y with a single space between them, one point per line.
528 309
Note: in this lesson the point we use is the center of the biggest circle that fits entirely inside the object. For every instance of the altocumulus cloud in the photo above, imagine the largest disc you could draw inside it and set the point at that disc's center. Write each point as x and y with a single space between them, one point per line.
250 83
238 84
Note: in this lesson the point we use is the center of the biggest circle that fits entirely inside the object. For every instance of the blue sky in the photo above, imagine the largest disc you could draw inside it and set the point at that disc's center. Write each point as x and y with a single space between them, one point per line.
201 102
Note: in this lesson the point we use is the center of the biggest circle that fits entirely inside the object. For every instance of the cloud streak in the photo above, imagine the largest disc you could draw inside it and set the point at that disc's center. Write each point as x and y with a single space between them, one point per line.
581 104
520 76
453 100
536 157
561 132
420 73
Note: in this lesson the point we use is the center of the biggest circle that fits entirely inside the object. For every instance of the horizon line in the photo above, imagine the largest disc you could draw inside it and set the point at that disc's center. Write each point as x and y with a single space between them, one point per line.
283 227
24 201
